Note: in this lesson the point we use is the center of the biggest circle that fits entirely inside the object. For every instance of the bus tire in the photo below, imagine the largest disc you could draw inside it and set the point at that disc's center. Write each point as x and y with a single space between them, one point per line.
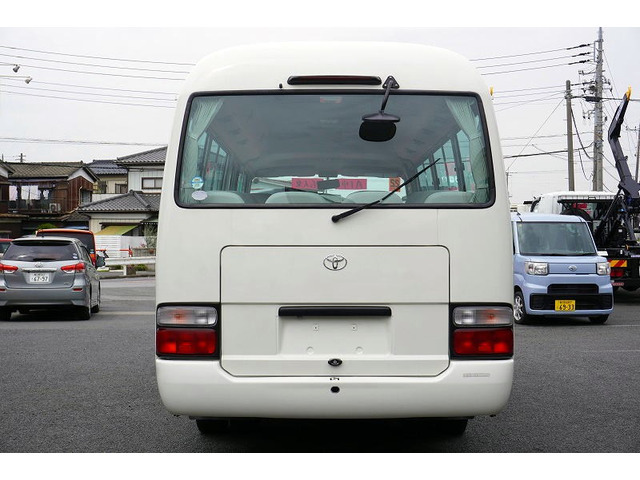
453 427
208 426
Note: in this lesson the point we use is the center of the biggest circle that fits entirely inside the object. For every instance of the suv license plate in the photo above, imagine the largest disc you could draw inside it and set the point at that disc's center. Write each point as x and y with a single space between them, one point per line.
565 305
39 277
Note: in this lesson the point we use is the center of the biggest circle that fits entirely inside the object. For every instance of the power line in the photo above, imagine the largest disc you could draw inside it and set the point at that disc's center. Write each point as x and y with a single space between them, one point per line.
532 53
30 88
540 128
499 96
94 65
537 68
95 57
77 142
521 155
101 73
523 102
103 88
555 87
84 100
532 61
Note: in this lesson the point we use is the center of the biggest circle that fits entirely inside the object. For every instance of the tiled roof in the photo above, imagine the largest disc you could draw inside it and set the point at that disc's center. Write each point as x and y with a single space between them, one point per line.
76 216
44 170
106 167
127 202
150 157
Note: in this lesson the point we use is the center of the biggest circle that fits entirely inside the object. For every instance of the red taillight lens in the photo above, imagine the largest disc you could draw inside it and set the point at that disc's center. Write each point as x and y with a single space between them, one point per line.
7 268
483 341
186 341
78 267
617 272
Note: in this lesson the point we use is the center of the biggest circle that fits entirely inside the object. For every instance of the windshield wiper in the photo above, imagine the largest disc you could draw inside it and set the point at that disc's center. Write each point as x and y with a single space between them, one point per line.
340 216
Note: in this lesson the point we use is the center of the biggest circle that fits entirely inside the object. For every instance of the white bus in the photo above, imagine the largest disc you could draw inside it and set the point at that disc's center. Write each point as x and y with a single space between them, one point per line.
334 239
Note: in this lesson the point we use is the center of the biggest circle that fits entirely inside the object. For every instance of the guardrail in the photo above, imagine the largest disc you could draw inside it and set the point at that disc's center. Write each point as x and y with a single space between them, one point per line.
129 261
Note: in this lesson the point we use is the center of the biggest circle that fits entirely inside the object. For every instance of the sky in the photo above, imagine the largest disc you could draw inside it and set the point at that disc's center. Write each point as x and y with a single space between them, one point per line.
104 84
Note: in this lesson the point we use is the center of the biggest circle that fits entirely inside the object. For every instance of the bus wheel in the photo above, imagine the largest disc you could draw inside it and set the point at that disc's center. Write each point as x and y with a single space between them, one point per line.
599 320
519 311
213 425
451 426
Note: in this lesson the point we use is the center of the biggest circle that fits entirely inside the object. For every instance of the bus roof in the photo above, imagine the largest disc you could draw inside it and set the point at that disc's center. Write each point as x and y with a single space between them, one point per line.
415 67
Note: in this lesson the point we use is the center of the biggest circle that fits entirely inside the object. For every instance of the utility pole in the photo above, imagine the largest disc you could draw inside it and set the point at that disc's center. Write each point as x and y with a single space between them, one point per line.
572 185
598 125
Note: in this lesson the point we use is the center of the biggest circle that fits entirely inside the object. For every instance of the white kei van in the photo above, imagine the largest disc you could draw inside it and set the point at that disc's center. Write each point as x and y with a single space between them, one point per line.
334 239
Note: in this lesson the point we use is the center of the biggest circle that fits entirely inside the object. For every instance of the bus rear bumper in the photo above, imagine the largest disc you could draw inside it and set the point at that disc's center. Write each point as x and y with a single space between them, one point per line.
203 389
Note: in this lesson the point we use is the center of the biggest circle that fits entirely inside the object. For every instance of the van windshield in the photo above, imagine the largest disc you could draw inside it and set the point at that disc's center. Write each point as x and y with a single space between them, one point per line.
555 238
304 148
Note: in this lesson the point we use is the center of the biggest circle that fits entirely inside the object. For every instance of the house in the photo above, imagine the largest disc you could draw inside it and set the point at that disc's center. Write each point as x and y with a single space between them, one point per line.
127 220
75 195
46 192
145 170
112 179
10 223
124 222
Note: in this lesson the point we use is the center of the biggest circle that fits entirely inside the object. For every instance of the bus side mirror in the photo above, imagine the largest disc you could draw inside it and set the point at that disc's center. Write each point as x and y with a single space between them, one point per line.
100 261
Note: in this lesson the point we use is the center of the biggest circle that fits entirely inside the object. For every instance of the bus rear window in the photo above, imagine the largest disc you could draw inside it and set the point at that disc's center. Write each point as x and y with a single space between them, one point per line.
285 149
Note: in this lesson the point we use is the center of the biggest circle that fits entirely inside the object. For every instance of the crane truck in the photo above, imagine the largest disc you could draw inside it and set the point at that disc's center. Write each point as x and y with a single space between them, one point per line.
612 217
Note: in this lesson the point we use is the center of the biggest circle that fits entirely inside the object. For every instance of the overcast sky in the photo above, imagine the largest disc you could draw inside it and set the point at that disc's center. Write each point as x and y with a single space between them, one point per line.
86 102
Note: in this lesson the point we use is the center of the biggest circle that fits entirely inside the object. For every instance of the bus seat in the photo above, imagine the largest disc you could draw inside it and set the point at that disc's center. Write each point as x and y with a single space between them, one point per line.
218 196
368 196
420 196
296 197
450 196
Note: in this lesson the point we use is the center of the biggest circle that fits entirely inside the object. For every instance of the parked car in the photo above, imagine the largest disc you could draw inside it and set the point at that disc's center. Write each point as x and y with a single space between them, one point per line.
47 273
557 270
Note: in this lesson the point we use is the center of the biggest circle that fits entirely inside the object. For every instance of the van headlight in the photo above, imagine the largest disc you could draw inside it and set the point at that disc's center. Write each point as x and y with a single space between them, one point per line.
536 268
604 268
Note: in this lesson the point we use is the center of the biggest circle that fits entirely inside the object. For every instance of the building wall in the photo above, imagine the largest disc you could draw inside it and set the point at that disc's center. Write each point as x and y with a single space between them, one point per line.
99 219
4 195
69 194
136 176
113 186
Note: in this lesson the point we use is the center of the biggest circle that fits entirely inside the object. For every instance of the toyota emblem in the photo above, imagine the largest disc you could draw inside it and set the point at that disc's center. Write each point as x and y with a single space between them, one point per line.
335 262
573 268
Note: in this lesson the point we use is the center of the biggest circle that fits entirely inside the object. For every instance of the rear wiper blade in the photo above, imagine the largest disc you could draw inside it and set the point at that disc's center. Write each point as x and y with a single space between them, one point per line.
340 216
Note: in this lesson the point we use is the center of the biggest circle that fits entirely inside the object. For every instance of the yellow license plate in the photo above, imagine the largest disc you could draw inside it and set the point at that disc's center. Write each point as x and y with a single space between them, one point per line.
565 305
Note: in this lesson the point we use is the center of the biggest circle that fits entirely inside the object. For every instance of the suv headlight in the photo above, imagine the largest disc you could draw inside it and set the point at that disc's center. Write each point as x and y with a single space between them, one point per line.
604 268
536 268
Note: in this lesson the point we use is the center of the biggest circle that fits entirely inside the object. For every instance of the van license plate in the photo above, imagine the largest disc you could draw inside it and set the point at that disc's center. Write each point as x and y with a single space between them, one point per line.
39 278
565 305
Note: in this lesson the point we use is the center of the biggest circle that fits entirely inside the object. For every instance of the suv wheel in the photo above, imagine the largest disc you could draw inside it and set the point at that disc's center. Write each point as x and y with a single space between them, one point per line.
599 320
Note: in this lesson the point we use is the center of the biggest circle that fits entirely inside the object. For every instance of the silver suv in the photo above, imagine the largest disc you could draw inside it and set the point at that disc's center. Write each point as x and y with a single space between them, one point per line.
44 273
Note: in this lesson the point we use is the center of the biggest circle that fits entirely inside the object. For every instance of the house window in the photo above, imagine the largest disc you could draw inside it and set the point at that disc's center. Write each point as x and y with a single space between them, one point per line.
121 188
100 187
85 196
152 183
